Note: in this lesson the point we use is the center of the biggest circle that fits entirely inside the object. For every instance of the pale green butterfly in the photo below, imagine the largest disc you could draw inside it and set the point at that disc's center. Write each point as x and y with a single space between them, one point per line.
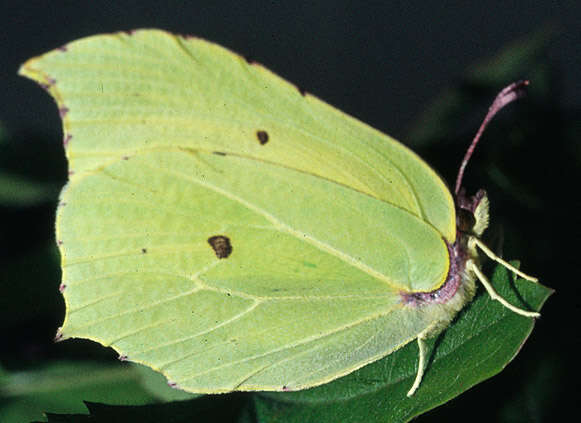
235 233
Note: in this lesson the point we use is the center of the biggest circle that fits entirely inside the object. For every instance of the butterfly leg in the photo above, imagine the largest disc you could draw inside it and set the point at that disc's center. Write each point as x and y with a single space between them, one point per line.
471 266
421 364
497 259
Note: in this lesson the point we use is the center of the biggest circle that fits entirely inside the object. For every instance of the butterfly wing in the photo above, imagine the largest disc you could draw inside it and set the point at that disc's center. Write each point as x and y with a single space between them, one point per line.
123 94
226 230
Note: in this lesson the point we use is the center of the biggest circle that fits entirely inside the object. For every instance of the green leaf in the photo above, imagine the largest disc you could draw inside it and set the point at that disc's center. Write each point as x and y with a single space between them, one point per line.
19 191
34 274
62 387
446 114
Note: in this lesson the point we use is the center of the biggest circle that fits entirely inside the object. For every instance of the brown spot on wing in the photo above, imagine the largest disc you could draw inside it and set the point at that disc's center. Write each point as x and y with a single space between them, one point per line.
262 137
221 246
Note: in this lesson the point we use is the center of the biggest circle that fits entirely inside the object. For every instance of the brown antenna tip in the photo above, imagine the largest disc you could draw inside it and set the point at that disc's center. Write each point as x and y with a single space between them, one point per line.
506 96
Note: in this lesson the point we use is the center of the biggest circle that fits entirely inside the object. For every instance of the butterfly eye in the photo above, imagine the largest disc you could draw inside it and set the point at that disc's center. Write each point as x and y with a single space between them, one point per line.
465 220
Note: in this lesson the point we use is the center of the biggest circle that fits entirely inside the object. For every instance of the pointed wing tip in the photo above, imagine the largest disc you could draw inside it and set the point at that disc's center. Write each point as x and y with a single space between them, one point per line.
26 68
31 69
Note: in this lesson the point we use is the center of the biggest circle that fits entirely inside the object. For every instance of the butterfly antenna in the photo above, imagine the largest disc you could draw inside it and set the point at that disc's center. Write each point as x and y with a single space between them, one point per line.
508 94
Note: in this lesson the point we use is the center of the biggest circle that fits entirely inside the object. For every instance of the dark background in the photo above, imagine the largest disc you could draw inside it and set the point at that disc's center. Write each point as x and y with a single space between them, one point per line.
383 63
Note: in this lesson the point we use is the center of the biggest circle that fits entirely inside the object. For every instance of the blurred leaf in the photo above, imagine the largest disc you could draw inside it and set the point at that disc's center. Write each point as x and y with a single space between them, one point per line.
539 395
33 274
515 60
521 59
62 387
19 191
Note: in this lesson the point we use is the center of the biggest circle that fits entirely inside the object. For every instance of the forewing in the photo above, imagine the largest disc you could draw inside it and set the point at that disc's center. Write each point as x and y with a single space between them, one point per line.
147 90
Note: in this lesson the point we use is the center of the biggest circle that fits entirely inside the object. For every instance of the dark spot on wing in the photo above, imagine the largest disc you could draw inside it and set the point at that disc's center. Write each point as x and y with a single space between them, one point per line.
221 246
63 48
123 357
219 153
262 137
144 250
67 139
63 111
62 287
